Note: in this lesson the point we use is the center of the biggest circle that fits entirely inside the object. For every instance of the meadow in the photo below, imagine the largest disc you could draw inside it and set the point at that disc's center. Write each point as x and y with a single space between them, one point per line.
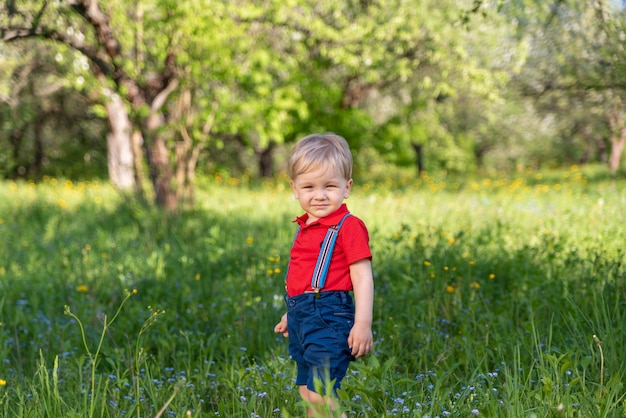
495 297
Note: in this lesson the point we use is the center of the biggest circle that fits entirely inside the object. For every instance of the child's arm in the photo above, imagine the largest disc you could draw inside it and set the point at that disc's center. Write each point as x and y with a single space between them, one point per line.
281 327
360 339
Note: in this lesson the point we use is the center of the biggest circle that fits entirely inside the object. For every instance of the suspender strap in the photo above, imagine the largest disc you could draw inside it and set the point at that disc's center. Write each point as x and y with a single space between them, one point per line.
326 253
323 259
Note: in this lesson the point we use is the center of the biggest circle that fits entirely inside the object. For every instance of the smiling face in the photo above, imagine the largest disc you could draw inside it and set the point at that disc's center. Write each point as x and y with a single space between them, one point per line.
320 191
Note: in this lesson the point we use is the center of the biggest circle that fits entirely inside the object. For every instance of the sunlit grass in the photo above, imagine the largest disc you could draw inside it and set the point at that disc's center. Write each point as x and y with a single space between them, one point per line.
489 293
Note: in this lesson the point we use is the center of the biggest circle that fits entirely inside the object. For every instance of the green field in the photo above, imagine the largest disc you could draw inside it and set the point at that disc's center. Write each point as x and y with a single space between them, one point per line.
501 297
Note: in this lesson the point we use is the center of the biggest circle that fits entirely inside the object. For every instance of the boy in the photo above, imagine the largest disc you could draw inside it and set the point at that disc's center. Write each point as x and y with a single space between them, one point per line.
325 330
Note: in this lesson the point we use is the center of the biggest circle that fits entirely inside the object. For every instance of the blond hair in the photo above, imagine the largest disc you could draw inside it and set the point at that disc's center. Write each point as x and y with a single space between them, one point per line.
320 150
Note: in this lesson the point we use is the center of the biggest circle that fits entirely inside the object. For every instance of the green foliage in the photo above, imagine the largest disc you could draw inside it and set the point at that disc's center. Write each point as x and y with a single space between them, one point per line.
496 86
46 125
488 295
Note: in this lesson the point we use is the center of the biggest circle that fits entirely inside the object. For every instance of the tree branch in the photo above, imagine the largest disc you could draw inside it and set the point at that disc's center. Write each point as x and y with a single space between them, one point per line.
99 21
42 32
154 120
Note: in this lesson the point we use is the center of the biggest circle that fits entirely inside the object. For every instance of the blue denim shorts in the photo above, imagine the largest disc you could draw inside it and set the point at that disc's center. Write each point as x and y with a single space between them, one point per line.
318 327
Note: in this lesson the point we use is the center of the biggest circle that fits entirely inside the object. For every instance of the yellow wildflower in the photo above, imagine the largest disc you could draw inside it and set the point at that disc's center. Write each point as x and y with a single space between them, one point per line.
451 240
3 382
492 276
276 271
475 285
82 288
450 289
427 263
249 240
197 276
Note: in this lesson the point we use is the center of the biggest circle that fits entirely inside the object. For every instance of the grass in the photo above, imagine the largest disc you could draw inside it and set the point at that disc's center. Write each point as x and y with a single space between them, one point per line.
501 297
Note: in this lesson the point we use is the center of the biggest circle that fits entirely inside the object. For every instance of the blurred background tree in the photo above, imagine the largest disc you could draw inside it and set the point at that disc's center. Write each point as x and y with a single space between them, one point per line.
149 92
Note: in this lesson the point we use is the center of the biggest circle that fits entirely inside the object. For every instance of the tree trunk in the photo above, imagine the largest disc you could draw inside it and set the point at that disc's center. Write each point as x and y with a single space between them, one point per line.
186 160
15 139
161 172
182 155
162 177
120 156
419 158
266 160
137 144
618 139
191 173
37 165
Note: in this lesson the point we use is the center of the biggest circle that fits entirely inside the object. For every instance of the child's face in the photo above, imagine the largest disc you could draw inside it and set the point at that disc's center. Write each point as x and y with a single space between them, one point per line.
321 191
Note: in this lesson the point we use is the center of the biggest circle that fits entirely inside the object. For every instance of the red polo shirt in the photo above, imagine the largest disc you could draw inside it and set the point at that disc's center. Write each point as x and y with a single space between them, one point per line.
352 245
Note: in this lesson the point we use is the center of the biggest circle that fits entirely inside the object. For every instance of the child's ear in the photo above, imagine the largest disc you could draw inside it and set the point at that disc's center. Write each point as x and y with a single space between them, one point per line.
346 193
293 188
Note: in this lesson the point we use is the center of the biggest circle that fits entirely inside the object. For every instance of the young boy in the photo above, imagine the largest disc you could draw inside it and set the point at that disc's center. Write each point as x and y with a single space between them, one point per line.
325 330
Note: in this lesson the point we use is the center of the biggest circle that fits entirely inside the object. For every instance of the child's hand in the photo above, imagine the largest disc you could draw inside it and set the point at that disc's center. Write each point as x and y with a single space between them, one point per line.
281 327
360 340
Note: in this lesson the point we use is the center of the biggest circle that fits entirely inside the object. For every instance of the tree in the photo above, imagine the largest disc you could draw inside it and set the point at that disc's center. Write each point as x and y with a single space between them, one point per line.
139 57
453 89
407 78
574 71
357 61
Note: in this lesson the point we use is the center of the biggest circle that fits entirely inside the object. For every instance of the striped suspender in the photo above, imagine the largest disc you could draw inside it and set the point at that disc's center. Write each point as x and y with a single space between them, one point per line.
323 259
326 253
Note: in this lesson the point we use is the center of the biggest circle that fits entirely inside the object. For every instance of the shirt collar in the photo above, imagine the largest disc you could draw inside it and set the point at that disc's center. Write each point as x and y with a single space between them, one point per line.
332 219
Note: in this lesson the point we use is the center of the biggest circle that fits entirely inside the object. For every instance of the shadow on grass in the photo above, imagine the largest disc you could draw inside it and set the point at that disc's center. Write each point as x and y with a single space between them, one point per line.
216 283
206 274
